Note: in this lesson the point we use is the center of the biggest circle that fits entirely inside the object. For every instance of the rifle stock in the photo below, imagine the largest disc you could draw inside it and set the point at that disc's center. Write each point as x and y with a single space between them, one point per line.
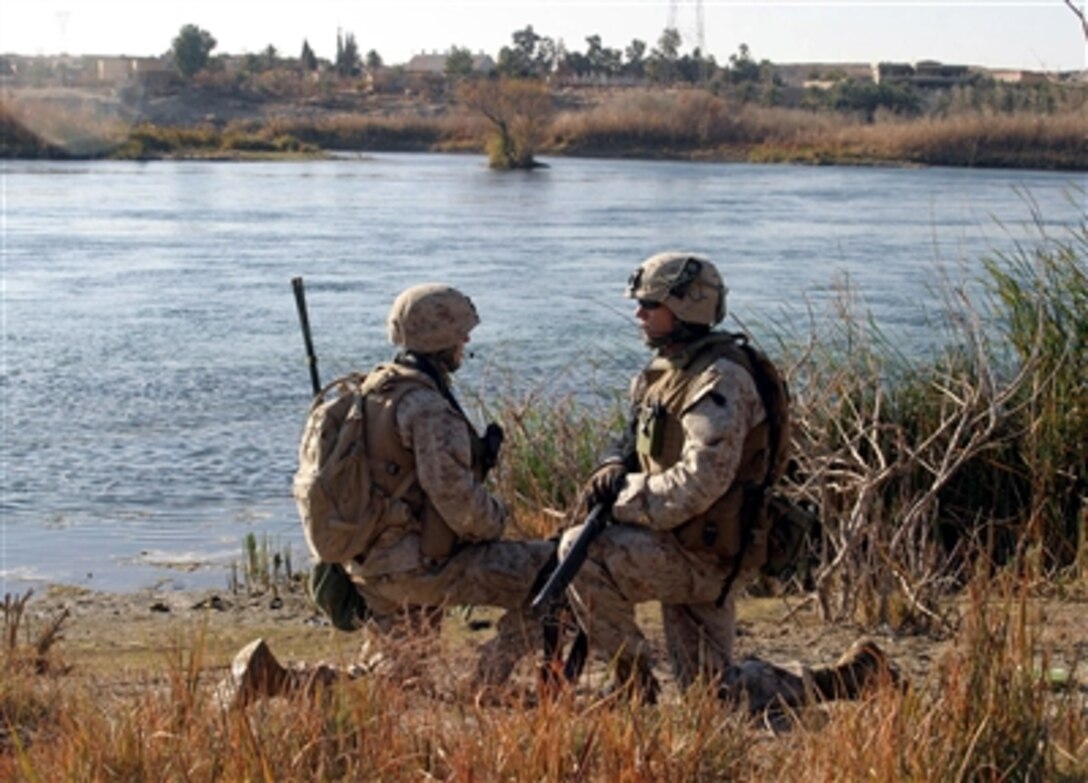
568 566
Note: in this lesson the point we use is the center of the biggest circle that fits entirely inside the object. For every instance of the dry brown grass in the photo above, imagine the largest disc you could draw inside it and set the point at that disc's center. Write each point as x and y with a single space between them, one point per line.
977 139
990 709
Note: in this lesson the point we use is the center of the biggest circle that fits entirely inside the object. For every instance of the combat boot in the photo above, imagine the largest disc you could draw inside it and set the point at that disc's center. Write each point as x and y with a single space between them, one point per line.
861 669
255 674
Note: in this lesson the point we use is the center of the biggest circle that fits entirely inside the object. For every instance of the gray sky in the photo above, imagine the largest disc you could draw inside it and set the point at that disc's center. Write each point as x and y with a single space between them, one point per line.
1032 34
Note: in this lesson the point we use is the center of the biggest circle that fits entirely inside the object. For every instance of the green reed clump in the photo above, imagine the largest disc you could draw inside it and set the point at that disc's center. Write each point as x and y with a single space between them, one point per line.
551 446
1040 297
261 142
265 565
150 141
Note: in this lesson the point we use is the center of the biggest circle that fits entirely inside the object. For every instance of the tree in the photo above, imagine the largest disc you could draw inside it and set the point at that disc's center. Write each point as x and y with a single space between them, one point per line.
458 62
602 60
308 58
270 58
636 58
866 98
191 49
347 55
531 55
520 111
746 80
373 60
662 64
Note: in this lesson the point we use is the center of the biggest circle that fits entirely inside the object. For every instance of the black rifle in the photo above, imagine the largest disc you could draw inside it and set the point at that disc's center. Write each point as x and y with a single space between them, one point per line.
304 319
551 602
564 572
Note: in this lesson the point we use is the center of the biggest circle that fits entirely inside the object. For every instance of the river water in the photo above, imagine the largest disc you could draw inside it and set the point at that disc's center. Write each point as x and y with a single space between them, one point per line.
153 375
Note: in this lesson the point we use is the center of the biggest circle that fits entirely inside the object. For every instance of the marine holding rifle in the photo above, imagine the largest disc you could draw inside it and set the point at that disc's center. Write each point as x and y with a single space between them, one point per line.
445 548
684 482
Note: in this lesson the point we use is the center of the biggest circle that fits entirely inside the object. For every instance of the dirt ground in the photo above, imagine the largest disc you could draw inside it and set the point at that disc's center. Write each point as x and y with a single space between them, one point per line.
124 641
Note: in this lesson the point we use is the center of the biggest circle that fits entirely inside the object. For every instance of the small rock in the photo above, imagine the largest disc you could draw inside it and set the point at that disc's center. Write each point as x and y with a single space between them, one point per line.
213 602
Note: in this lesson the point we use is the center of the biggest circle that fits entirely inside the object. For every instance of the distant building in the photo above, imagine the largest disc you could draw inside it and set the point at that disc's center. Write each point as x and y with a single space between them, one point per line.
145 71
435 62
929 73
925 73
891 73
1019 77
821 75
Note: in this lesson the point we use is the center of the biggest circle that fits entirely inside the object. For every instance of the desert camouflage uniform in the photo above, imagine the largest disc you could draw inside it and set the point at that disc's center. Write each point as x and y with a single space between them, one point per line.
440 543
482 570
639 558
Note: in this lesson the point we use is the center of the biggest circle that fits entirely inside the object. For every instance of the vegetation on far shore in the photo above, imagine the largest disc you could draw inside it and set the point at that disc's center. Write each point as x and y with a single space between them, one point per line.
953 491
687 123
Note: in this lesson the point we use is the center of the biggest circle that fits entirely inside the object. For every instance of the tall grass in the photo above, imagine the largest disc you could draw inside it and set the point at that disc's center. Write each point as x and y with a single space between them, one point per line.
549 450
264 566
1040 294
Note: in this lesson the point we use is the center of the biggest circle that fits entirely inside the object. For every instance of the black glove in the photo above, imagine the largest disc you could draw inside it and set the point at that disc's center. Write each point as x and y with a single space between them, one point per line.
603 486
492 442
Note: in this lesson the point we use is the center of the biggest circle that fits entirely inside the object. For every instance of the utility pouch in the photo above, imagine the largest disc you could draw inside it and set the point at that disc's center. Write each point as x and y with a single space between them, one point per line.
650 430
437 540
719 529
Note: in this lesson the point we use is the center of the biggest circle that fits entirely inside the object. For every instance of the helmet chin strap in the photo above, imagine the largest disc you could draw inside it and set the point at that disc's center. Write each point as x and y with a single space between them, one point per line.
446 360
683 332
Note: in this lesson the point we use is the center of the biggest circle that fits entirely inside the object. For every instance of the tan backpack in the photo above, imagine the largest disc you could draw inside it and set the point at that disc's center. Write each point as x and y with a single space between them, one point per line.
340 506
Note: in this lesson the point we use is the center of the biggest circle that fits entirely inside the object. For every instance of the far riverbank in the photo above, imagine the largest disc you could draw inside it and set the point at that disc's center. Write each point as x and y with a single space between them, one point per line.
672 124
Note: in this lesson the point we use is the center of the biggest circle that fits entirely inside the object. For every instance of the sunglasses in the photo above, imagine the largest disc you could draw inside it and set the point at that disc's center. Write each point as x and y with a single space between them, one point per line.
646 304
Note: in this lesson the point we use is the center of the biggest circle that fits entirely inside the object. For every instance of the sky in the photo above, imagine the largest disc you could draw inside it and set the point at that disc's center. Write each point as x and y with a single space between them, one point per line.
1028 34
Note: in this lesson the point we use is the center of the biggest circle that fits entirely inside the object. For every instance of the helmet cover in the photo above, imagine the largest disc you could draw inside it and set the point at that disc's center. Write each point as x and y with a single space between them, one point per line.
431 317
686 283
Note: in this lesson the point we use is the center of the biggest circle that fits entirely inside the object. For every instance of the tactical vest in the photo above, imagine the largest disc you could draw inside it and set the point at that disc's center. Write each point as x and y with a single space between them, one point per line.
391 464
669 384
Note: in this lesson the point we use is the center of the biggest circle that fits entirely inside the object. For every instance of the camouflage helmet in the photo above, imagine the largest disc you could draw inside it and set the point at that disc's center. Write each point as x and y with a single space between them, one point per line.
686 283
431 317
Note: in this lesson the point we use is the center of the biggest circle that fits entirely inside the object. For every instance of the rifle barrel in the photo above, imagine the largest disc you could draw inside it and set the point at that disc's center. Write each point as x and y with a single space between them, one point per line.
304 320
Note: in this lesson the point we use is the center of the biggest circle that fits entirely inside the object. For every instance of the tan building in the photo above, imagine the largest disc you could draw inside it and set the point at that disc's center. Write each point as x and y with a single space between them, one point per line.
435 62
1019 77
924 73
